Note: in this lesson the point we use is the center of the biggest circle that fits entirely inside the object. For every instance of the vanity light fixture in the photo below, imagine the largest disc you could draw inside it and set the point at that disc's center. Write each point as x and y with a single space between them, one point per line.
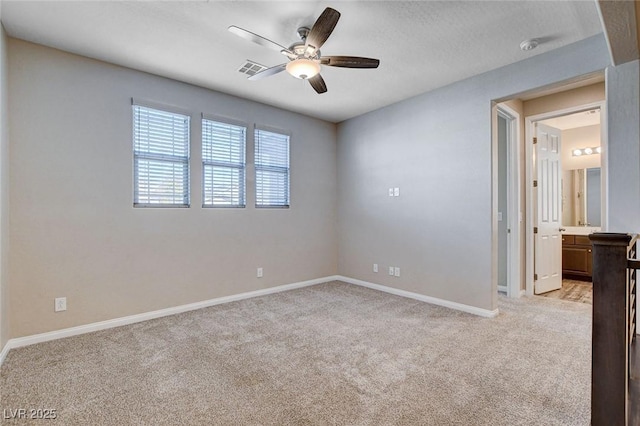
586 151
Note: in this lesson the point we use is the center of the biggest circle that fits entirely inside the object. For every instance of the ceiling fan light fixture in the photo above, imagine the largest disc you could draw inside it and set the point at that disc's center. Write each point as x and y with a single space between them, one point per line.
303 68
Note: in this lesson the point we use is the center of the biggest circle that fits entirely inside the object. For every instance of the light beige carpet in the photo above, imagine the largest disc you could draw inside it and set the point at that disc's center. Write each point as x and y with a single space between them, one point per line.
329 354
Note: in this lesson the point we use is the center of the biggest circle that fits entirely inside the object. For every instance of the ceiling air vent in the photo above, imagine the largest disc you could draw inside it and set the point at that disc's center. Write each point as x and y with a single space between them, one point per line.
251 68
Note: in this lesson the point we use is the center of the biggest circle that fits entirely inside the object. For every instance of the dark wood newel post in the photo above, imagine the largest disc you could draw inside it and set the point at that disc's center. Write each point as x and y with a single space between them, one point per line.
610 374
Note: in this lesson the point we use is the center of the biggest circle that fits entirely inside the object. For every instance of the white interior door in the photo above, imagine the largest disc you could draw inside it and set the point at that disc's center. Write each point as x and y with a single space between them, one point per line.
548 241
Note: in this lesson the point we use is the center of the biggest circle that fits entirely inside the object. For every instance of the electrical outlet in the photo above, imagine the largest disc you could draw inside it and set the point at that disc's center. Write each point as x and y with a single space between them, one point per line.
390 192
60 304
259 273
396 192
391 270
375 267
396 271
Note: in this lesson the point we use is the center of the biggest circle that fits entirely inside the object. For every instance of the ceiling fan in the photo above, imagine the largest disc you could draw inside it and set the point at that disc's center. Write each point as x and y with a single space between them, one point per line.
304 56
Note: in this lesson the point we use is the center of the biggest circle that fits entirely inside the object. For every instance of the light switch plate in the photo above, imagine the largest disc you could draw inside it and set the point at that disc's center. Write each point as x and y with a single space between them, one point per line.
396 192
259 273
396 271
391 270
375 267
499 216
390 192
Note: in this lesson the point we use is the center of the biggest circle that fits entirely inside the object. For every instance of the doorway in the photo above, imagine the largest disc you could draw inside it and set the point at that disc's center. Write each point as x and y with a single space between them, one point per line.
509 213
565 205
517 219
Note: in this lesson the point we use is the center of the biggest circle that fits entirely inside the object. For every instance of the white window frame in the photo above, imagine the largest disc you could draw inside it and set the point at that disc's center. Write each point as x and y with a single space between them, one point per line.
241 166
177 159
259 167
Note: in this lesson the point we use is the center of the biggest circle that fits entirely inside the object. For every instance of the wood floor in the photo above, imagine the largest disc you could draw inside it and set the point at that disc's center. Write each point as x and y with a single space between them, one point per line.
573 290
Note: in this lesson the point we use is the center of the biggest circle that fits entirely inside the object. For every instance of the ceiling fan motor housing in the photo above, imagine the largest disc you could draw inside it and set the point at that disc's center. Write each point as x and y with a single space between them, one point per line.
305 65
303 32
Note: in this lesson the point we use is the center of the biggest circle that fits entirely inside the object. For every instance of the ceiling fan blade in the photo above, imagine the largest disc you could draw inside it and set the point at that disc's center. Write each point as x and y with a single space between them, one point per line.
248 35
323 28
318 84
349 62
268 72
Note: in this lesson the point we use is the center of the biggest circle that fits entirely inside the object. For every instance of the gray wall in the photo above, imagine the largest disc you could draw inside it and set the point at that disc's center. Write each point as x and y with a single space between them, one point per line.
4 191
623 151
74 231
437 148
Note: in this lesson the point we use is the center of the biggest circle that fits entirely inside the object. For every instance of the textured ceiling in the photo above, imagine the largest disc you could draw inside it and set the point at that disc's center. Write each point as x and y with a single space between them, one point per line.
421 45
619 18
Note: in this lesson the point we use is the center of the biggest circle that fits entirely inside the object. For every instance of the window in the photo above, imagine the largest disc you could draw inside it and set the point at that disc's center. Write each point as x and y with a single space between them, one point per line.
272 169
223 164
161 158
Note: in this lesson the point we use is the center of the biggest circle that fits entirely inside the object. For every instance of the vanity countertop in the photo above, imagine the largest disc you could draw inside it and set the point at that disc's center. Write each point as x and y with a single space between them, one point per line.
580 230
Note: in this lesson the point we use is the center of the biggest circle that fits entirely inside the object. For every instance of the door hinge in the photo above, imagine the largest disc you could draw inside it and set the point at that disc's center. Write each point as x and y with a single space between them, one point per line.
535 229
535 183
508 231
535 277
535 140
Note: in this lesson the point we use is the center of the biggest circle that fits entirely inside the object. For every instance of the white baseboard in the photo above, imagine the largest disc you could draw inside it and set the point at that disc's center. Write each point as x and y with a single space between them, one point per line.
132 319
504 288
118 322
428 299
4 352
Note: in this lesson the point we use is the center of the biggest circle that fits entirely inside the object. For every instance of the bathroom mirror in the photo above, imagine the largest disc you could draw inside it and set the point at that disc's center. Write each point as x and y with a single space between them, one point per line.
581 197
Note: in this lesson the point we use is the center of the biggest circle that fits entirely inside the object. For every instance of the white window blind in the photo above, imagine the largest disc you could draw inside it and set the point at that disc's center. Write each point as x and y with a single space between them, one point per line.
272 169
161 157
223 164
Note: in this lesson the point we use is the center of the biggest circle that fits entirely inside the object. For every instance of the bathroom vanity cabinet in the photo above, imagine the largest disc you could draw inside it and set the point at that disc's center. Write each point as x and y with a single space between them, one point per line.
577 257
